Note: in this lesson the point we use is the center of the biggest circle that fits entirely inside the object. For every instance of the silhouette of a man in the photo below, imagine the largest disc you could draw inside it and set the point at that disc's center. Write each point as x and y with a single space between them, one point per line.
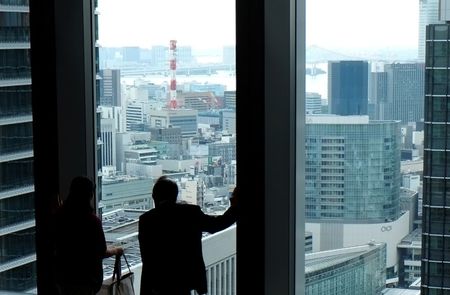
170 238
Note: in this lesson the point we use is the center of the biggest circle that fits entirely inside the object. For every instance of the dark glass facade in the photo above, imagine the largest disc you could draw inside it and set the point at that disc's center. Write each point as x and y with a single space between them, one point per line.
404 92
348 87
109 87
352 171
436 184
17 218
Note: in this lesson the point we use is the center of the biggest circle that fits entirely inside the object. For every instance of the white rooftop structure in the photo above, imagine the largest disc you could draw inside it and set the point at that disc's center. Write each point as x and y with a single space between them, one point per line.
411 166
397 291
324 259
336 119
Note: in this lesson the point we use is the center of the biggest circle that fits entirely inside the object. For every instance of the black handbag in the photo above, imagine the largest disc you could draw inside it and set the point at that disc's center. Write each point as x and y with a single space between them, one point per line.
119 284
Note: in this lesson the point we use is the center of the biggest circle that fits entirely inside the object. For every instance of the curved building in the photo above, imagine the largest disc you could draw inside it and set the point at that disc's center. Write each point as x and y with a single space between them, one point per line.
352 169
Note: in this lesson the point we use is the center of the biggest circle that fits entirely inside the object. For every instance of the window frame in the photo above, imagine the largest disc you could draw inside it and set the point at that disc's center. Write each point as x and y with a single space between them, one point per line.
270 57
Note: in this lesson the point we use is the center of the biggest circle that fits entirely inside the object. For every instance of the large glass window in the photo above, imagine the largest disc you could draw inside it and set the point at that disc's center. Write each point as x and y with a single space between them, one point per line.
166 105
359 189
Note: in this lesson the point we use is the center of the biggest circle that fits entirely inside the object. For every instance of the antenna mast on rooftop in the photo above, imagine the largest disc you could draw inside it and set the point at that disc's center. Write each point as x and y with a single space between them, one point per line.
173 69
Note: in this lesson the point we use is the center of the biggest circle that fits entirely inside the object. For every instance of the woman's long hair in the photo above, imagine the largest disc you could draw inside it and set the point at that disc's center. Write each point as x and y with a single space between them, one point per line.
80 195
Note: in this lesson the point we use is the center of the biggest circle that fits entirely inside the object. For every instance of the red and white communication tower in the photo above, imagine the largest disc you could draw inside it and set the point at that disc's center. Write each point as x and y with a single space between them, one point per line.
173 78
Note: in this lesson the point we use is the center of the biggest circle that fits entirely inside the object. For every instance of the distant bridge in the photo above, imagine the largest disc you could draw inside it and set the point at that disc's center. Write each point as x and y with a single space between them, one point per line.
316 54
207 69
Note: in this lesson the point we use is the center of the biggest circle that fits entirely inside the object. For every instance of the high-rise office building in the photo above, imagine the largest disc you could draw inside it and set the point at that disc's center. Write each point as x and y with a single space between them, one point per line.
110 87
228 120
404 92
352 169
428 14
17 223
348 87
352 184
136 116
313 103
230 99
436 186
377 94
108 142
186 119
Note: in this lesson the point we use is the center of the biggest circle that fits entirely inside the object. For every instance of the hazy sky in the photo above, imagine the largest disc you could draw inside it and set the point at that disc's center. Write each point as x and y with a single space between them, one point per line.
362 23
211 23
199 23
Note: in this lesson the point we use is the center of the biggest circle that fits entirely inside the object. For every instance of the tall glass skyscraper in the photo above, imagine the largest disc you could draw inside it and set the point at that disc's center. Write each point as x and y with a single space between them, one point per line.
404 92
17 224
352 169
428 14
348 87
436 174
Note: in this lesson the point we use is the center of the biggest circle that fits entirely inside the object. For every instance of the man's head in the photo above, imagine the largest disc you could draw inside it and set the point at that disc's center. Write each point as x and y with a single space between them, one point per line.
165 189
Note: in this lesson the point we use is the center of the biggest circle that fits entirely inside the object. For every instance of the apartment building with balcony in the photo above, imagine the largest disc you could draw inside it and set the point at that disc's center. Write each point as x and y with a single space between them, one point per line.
17 225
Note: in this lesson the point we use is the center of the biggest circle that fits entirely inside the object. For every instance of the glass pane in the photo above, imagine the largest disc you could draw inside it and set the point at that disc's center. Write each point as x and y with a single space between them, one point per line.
441 33
361 188
439 109
166 94
438 136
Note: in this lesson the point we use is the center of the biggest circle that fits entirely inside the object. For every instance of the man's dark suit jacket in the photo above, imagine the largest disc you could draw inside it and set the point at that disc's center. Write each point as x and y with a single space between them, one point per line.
170 239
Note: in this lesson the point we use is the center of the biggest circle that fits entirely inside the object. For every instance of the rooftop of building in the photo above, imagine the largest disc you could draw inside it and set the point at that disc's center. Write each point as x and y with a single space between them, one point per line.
412 166
416 285
118 178
342 120
336 119
407 193
325 259
412 240
398 291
